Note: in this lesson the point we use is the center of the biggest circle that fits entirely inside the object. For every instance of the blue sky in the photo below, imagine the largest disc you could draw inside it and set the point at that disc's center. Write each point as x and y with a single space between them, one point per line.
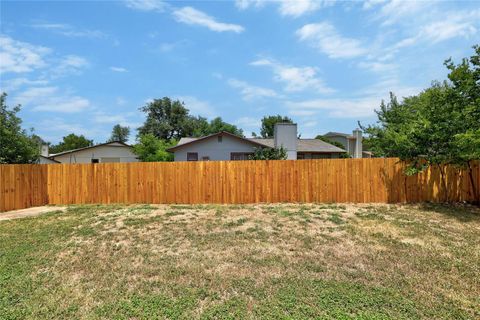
82 67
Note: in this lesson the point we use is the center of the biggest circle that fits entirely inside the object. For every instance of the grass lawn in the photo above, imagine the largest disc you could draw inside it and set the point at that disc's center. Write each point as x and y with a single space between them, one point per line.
282 261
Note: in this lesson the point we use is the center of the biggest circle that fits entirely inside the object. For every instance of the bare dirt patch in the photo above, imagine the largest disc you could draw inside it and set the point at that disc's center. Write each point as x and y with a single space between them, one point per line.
29 212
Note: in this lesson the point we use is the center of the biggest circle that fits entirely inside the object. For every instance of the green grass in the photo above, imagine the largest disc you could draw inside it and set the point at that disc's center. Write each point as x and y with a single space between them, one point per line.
285 261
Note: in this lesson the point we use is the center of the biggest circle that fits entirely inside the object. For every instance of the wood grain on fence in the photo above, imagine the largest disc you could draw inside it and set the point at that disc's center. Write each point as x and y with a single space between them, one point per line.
326 180
22 186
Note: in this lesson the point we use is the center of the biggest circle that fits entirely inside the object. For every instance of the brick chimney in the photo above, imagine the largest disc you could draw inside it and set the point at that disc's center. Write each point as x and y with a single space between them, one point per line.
285 135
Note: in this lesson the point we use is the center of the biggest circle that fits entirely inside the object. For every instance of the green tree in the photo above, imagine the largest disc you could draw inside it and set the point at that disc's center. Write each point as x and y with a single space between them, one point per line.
119 133
465 79
16 145
269 154
268 124
167 119
149 148
204 128
70 142
439 126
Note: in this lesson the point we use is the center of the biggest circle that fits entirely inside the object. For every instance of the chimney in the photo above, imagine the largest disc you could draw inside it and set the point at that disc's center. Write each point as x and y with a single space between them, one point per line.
44 150
357 133
285 135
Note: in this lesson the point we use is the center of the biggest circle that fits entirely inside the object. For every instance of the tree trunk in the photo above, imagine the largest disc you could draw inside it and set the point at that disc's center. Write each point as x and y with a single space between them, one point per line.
476 196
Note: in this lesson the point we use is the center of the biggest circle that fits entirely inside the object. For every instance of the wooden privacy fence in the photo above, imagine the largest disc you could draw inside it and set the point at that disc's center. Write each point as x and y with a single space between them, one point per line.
326 180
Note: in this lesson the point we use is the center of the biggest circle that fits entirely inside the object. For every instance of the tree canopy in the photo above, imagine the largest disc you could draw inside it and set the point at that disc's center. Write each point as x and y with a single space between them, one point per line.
119 133
440 125
268 124
204 128
171 120
149 148
70 142
16 145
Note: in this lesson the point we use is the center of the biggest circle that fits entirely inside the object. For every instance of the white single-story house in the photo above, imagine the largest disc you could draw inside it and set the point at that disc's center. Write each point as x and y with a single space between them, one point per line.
353 143
227 146
114 151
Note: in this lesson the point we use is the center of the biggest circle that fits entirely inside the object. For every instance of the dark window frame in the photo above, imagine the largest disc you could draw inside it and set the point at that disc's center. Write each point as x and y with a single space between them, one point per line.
243 155
190 154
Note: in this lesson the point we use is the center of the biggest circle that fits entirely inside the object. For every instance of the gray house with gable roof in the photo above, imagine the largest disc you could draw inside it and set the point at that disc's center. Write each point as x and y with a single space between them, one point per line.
226 146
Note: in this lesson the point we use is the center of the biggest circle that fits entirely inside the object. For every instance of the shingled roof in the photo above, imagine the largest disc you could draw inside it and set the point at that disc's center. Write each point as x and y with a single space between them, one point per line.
304 145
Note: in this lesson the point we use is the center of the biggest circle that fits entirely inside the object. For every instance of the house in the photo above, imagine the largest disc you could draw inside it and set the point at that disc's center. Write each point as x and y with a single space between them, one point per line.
227 146
352 143
114 151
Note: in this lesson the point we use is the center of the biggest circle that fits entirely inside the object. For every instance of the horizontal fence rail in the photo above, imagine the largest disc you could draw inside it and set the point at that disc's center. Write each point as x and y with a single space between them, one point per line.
326 180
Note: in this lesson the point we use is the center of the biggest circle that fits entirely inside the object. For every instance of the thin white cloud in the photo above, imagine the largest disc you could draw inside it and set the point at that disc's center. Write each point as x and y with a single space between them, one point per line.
297 8
295 78
71 64
52 129
121 101
443 27
17 83
368 4
146 5
192 16
248 122
197 106
69 30
456 25
377 66
250 92
118 69
328 40
19 57
52 100
290 8
335 108
245 4
361 104
395 11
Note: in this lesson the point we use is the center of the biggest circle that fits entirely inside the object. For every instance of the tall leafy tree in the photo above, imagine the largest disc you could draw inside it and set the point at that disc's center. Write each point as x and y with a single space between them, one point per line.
16 145
465 79
119 133
203 127
268 124
70 142
149 148
439 126
167 119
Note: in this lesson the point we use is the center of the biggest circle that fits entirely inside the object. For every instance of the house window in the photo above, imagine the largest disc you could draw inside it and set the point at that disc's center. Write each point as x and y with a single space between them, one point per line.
220 138
205 158
240 155
95 161
192 156
321 156
300 156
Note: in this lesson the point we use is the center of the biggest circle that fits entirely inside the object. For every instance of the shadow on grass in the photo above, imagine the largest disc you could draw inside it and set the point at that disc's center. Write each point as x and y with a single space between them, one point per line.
459 211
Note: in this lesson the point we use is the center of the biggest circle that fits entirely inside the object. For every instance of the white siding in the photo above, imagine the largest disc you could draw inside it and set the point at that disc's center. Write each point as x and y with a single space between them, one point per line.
213 149
119 151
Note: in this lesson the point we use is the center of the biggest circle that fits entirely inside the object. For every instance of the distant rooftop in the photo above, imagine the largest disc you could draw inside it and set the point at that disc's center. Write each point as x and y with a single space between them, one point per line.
304 145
